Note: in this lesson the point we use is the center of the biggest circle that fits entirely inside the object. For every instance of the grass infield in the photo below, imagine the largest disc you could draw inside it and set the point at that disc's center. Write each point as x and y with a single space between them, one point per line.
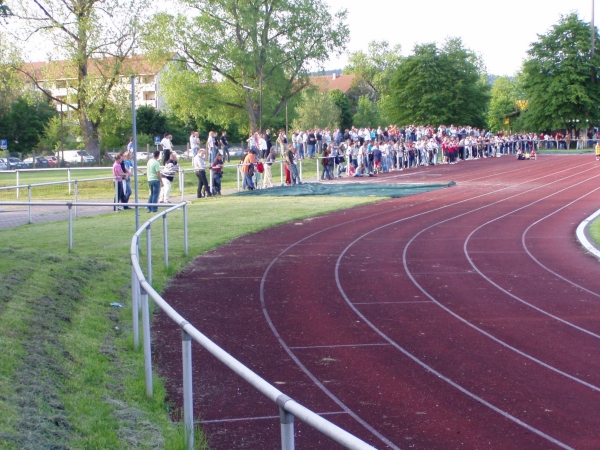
69 377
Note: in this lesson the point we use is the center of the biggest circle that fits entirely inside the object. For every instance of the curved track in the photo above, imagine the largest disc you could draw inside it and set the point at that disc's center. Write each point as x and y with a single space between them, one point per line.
465 317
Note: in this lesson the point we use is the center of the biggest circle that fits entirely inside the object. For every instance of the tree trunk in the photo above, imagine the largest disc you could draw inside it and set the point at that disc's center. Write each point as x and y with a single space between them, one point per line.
90 135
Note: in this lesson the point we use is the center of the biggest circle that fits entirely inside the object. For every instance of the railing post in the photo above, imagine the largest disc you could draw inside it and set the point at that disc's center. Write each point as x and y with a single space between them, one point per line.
29 200
210 181
281 172
116 194
18 182
301 178
149 253
185 230
318 171
70 227
147 347
69 179
135 286
76 197
188 396
166 240
238 177
287 423
182 183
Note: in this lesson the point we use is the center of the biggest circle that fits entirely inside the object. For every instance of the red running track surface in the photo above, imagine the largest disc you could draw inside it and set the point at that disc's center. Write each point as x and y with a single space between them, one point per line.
465 317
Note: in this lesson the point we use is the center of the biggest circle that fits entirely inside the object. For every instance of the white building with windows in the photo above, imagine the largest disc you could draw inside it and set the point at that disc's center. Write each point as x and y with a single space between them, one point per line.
59 78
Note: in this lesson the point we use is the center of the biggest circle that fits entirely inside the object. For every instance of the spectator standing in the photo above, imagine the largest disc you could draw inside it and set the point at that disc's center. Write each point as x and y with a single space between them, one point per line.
194 143
199 165
154 179
168 174
217 168
167 146
291 165
268 175
225 145
248 169
120 177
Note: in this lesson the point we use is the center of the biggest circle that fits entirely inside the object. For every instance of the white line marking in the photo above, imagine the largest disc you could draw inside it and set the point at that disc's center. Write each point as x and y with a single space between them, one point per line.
338 345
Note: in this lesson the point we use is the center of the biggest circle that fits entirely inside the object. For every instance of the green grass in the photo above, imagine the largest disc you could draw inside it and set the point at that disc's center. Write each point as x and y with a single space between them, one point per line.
95 190
594 231
69 377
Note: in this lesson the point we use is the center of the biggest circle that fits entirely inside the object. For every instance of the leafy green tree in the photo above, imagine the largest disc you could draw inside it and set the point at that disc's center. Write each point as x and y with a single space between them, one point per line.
316 109
439 86
366 113
560 77
10 84
241 57
24 122
92 39
506 103
150 121
376 67
341 101
57 135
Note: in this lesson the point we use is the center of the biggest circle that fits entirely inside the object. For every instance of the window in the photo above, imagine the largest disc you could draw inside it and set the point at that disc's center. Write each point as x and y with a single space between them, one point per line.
149 96
61 84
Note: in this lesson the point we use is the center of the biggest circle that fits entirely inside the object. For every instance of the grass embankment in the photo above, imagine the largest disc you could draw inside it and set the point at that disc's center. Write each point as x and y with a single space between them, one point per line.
69 377
94 190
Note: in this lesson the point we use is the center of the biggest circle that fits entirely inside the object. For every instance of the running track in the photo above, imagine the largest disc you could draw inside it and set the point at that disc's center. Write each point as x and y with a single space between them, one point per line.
465 317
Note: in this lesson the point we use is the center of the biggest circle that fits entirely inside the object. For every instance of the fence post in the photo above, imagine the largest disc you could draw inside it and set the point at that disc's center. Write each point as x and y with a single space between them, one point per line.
287 423
135 286
116 194
69 179
185 230
238 177
76 196
18 178
70 227
147 347
301 171
166 240
29 200
149 253
318 172
182 183
281 172
188 396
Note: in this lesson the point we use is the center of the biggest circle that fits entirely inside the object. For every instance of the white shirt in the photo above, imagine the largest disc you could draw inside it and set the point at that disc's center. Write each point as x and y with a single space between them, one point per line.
166 144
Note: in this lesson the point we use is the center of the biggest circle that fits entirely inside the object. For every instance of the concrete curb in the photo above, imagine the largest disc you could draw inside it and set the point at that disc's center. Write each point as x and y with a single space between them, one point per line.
583 235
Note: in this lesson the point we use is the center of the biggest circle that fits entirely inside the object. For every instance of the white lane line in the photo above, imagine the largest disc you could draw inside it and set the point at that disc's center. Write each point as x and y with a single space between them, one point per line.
510 294
430 369
338 346
391 303
289 351
243 419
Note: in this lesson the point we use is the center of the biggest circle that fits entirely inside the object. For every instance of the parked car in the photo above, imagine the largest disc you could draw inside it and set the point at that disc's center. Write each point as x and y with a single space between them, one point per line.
40 163
142 155
76 157
52 161
13 163
3 165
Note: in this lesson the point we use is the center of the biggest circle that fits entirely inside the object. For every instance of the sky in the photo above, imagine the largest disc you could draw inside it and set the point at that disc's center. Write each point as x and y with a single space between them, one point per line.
499 31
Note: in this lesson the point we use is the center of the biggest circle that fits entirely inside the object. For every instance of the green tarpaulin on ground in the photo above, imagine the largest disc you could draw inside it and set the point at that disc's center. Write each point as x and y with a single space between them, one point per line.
348 189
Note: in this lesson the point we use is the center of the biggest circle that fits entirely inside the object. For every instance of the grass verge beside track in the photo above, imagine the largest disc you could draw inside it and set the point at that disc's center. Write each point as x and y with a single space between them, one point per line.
69 377
594 231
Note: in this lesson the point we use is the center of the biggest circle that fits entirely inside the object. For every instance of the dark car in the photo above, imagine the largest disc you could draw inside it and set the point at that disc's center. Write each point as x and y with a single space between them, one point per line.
40 163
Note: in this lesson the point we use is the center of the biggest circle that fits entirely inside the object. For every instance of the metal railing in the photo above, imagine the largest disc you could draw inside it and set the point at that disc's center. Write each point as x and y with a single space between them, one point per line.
142 289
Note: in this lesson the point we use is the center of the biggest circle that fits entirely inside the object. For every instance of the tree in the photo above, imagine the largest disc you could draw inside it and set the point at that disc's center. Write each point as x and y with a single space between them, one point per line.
93 39
560 77
23 123
376 67
341 101
10 84
243 56
505 104
366 113
439 86
316 109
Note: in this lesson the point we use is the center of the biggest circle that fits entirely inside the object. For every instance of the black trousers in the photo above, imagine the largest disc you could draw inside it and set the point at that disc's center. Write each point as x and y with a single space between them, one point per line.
202 181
